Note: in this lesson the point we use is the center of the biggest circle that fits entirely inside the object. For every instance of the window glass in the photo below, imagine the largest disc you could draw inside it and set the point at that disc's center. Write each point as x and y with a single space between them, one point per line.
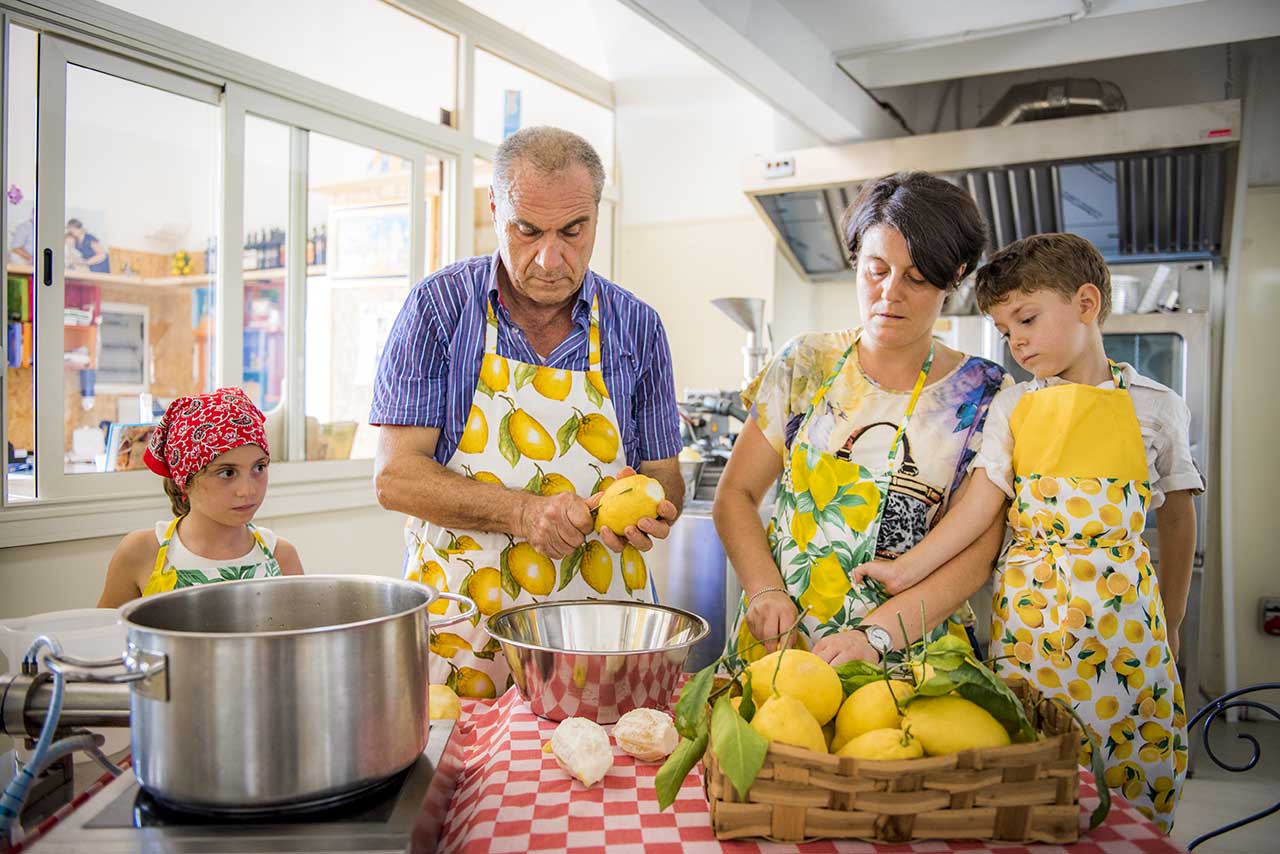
509 98
365 47
358 207
19 249
486 239
141 191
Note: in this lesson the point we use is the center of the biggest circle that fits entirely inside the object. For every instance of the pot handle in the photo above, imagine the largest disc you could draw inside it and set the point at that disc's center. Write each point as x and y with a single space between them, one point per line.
469 610
147 669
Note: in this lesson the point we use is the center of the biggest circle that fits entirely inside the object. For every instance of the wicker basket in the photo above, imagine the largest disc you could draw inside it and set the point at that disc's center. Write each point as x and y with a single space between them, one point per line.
1020 793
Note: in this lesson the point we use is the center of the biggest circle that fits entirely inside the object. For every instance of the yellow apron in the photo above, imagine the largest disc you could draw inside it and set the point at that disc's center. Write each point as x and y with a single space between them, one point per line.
1077 605
541 429
164 577
826 522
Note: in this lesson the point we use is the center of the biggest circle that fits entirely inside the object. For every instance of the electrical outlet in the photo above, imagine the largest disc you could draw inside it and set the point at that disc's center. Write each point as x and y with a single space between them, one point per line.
1270 615
779 167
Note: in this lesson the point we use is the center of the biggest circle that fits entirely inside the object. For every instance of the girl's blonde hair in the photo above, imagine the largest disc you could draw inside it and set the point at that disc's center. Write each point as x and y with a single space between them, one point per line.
178 502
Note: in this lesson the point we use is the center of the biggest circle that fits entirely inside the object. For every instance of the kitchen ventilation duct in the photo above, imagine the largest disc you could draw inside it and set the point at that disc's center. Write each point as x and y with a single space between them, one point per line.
1142 185
1054 99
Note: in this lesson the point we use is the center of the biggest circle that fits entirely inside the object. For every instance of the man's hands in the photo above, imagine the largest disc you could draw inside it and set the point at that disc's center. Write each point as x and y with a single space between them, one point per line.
556 524
642 534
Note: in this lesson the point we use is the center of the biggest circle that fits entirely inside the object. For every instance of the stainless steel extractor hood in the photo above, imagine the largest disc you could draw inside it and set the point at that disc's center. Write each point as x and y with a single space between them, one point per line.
1142 184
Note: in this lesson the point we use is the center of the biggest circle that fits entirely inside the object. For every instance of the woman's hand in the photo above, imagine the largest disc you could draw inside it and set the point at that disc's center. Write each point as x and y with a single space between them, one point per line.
894 575
771 614
845 646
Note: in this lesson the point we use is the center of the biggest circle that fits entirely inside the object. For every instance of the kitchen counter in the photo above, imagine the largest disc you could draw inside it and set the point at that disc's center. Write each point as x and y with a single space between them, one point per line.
511 796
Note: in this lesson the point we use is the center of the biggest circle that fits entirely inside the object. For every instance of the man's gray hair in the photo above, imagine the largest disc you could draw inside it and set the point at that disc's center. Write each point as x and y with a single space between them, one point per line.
549 150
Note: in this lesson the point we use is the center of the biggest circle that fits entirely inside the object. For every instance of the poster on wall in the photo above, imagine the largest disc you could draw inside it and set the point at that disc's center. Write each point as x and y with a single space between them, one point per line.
369 242
126 444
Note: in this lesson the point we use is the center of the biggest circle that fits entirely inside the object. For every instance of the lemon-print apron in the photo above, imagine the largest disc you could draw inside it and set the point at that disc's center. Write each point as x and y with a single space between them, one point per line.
544 430
1077 604
164 577
826 521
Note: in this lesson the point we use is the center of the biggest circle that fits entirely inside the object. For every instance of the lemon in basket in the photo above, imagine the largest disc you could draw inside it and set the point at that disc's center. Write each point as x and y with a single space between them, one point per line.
870 707
786 720
887 743
950 724
801 675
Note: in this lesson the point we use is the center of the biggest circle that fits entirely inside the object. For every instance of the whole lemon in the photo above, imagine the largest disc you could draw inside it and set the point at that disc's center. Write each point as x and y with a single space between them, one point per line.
597 567
430 572
447 644
634 573
888 743
627 501
950 724
801 675
476 434
531 569
598 435
552 383
870 707
554 484
530 437
443 704
786 720
494 372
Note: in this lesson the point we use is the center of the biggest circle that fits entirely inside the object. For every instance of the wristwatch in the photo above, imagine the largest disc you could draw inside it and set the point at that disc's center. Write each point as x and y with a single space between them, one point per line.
879 638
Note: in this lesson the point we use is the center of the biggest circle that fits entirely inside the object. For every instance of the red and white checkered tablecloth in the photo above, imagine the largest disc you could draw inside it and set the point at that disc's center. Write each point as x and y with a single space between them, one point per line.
513 797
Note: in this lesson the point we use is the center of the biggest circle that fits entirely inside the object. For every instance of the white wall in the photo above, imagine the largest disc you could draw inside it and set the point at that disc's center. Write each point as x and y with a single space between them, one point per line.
71 574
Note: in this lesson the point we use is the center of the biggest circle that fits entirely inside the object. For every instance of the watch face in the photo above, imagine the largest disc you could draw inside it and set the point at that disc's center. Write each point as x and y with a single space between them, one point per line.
880 639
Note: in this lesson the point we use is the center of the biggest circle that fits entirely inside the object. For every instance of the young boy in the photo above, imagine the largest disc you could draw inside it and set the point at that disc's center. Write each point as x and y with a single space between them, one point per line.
1084 450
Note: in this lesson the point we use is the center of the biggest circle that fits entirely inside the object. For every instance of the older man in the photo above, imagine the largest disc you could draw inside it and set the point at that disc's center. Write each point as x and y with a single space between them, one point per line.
513 389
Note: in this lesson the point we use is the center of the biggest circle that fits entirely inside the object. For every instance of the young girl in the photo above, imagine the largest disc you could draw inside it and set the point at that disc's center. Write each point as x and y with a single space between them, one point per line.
1084 450
212 452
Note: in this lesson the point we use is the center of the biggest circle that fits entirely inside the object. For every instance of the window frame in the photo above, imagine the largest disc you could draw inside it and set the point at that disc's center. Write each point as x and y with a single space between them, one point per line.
135 48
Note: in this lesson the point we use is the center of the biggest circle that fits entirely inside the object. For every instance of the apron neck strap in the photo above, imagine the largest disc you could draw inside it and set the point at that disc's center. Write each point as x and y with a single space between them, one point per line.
1117 376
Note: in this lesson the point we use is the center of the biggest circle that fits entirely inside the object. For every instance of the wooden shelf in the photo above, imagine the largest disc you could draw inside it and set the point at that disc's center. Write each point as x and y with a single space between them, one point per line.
167 281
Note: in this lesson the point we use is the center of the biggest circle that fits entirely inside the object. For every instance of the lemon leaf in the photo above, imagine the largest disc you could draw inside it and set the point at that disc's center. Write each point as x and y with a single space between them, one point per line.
671 775
747 707
506 444
508 581
484 389
691 708
934 686
593 395
534 484
525 374
569 566
739 748
854 674
567 433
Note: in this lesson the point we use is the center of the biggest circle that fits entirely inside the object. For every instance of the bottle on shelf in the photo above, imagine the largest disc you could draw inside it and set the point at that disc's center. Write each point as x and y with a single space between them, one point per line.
281 248
250 254
311 248
322 247
211 260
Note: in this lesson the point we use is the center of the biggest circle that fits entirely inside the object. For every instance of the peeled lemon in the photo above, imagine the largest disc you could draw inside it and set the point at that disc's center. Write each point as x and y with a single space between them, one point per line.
950 724
647 734
581 747
627 501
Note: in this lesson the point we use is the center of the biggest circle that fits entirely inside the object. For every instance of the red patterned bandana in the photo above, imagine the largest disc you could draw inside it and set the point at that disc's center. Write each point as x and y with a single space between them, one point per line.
196 430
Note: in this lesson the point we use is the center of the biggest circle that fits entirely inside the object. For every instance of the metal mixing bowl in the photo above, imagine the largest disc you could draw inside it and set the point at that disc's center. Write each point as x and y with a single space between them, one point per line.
596 659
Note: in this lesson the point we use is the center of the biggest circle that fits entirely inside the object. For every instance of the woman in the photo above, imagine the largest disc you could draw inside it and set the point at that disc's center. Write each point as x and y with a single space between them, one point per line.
872 431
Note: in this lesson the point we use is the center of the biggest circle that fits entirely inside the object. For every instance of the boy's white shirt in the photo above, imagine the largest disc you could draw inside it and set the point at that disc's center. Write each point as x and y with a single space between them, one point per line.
181 557
1163 418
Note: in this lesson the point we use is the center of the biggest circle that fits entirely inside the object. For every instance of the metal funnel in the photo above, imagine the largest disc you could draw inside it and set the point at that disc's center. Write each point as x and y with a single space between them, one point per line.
747 312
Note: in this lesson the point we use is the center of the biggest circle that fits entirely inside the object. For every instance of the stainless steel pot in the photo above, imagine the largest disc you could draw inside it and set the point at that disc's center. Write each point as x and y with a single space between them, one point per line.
262 694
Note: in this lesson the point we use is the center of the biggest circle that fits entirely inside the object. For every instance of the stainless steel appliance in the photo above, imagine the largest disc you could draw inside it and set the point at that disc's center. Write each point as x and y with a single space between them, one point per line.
595 659
270 694
405 813
1177 349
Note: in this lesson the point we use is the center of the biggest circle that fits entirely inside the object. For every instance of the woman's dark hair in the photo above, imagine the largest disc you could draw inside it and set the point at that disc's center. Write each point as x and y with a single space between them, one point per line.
177 501
942 226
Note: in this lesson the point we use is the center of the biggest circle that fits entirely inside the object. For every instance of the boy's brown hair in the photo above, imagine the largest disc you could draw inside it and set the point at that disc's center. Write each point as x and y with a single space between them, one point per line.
1056 262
